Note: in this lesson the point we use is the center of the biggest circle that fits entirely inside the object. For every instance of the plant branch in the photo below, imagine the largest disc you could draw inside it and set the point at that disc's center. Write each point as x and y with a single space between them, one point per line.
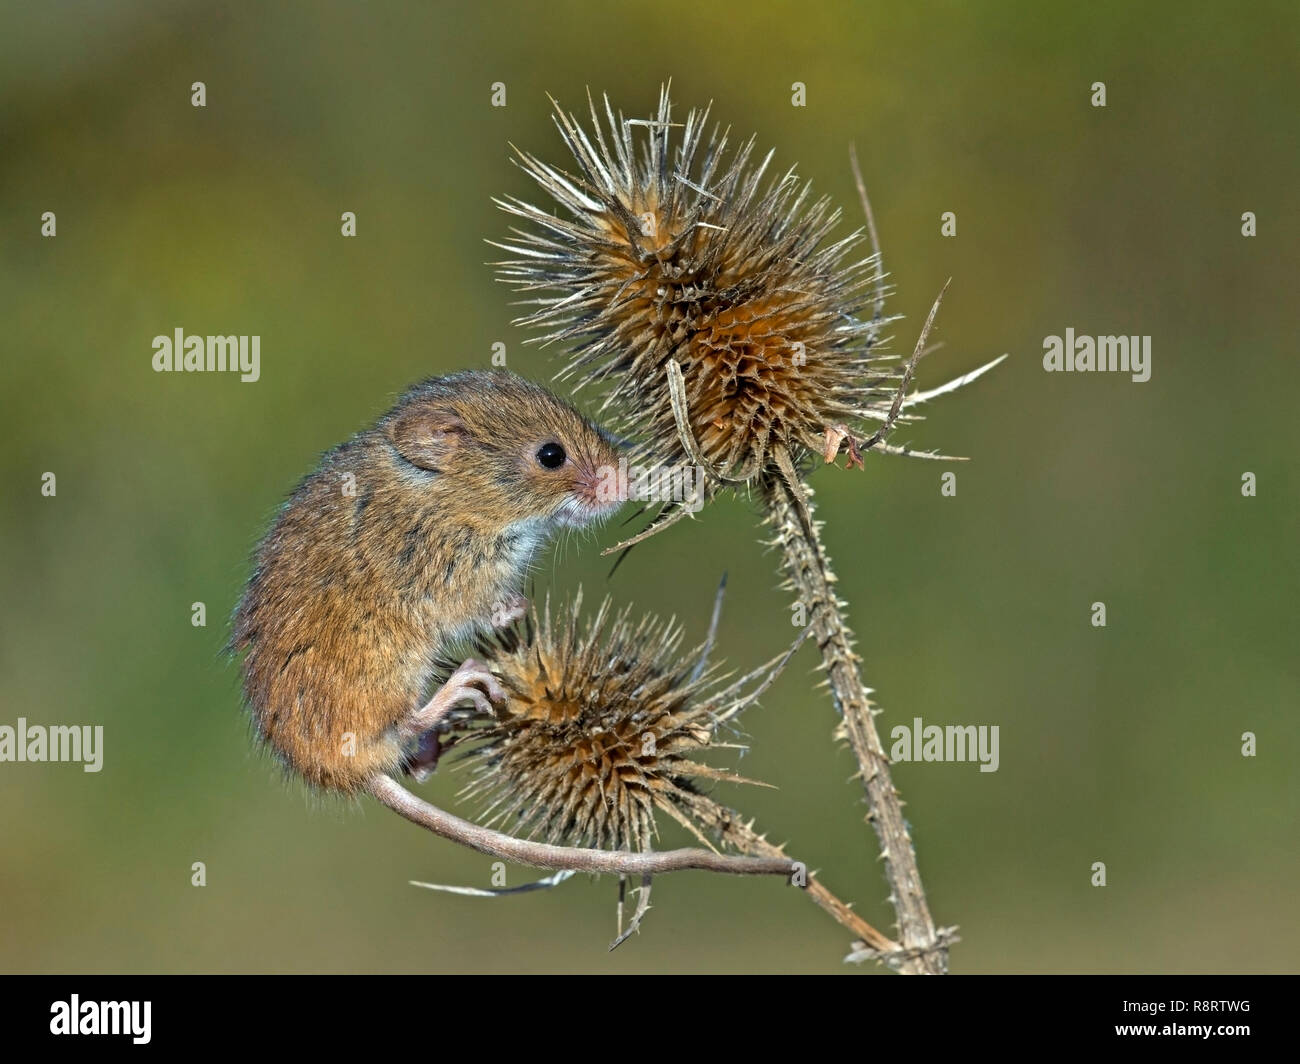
578 859
808 569
745 839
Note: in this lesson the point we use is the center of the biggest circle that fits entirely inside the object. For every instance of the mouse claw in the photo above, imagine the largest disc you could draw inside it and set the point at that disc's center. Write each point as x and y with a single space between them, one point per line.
509 610
471 672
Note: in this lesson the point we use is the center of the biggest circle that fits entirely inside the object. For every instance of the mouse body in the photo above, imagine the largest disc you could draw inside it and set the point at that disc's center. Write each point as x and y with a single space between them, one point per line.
408 540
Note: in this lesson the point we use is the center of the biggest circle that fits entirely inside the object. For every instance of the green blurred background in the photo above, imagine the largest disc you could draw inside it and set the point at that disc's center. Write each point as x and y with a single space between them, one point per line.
1119 745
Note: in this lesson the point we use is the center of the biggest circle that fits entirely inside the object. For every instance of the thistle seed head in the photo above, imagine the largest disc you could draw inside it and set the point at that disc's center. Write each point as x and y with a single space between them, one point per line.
673 249
600 730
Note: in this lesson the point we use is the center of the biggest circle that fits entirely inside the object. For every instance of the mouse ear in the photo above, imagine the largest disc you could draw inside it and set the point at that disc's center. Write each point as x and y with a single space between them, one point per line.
426 437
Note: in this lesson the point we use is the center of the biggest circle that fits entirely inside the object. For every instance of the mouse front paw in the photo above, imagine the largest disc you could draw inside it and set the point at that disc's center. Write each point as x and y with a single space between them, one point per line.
509 610
472 682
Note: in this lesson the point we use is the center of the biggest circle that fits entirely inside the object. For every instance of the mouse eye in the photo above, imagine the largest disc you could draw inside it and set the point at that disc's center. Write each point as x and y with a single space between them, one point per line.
551 455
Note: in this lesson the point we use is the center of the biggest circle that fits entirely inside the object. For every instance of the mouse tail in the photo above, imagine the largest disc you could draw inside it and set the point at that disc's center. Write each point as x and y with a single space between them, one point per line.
563 858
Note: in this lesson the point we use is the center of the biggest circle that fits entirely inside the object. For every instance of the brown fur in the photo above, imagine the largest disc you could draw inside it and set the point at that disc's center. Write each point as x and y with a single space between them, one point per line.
355 598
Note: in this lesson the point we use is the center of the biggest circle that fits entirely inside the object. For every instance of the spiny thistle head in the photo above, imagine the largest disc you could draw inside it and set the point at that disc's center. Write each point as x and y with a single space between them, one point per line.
599 731
675 250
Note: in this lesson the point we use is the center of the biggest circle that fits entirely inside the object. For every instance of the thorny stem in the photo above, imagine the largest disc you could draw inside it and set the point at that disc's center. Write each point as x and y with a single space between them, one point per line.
810 576
745 839
564 858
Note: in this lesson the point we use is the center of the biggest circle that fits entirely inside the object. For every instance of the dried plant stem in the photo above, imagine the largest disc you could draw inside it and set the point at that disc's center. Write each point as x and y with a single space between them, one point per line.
745 839
797 534
578 859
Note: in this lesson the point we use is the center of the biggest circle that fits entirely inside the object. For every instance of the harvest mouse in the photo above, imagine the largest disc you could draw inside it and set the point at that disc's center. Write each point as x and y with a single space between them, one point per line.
409 539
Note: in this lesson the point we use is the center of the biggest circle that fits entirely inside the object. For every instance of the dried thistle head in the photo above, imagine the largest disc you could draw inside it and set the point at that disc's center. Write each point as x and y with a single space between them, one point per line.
600 730
675 250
